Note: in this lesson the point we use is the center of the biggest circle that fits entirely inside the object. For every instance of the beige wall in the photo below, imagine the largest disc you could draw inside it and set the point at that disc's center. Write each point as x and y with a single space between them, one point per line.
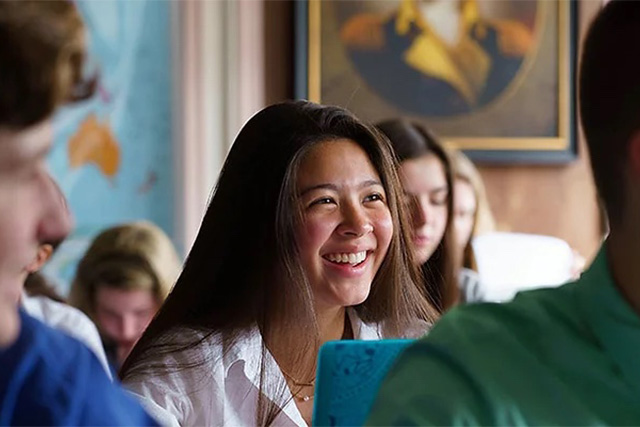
553 200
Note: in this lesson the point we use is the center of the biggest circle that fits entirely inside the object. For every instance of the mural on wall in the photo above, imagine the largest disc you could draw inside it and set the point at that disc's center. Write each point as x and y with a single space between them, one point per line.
112 154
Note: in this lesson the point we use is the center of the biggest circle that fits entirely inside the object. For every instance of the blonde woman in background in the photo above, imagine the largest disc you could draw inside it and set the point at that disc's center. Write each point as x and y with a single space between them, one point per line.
121 282
471 217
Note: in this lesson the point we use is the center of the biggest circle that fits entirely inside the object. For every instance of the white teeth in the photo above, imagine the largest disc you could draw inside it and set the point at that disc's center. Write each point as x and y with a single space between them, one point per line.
351 258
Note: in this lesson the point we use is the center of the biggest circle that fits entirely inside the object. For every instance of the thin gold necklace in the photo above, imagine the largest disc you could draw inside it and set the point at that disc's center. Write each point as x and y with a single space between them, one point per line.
304 397
298 383
346 334
298 396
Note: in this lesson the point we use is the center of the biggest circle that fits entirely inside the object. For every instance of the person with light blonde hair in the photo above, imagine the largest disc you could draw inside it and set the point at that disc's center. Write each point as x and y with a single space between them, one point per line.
471 217
472 212
121 282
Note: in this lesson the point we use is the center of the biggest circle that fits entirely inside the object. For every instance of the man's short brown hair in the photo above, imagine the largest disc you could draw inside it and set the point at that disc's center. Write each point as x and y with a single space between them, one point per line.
610 97
42 53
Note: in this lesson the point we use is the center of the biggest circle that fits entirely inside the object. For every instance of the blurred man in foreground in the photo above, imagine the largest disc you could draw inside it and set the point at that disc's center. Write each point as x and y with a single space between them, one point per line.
46 377
565 356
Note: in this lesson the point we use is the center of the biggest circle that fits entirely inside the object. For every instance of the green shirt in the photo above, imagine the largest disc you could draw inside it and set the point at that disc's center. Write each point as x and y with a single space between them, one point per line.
569 355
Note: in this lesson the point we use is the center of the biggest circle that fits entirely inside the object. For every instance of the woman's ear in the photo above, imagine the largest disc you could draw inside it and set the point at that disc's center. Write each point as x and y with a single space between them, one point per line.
44 253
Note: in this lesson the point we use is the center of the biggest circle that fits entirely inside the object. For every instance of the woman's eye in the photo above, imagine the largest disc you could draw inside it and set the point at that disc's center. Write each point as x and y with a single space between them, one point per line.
439 199
322 201
374 198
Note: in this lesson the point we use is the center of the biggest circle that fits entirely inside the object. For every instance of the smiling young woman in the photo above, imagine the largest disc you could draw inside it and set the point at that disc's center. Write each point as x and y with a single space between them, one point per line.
304 241
346 224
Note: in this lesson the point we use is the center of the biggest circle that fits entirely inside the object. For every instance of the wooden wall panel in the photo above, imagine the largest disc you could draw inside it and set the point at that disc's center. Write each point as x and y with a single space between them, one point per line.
553 200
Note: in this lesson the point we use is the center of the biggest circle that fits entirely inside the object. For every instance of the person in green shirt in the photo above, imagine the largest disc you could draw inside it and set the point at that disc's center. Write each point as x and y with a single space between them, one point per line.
564 356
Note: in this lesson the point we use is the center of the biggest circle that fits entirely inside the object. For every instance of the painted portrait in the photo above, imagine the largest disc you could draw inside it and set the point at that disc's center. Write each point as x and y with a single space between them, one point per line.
486 75
439 57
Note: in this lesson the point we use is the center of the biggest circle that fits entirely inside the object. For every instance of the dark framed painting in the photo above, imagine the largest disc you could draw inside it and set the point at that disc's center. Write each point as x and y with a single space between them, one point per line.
493 78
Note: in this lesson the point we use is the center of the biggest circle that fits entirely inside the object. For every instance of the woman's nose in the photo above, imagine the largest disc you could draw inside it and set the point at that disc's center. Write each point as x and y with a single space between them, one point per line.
421 211
356 222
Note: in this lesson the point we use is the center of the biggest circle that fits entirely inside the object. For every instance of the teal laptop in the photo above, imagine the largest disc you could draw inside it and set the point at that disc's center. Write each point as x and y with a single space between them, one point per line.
348 378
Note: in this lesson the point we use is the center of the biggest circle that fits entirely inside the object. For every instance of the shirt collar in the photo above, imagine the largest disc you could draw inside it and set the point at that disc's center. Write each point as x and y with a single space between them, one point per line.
613 321
32 306
248 351
249 346
361 330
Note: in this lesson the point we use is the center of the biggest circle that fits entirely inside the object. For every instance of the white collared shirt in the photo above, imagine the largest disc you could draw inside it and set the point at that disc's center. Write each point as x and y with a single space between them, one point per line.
223 391
67 319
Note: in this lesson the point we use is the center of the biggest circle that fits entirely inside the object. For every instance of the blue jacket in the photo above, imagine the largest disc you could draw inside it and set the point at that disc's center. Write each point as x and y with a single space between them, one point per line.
48 378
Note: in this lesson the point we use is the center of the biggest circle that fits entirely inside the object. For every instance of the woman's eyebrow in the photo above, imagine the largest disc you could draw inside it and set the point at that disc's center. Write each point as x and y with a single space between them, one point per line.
326 186
333 187
443 188
369 183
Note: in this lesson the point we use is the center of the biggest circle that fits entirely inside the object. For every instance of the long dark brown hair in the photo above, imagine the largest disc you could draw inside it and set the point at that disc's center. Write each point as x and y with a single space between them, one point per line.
410 141
244 271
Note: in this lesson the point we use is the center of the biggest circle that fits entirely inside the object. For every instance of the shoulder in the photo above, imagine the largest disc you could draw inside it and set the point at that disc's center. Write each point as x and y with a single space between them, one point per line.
470 355
58 315
527 316
470 286
56 380
183 357
47 345
69 320
376 330
472 344
185 382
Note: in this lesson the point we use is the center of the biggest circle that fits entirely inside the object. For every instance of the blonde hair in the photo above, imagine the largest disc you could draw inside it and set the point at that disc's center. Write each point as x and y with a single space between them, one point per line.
483 221
130 256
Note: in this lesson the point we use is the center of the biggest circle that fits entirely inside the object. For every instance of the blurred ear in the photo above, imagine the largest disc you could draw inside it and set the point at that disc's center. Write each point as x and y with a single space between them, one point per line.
44 253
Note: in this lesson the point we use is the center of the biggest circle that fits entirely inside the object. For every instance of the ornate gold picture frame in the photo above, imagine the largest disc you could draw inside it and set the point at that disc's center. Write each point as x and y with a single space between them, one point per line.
494 78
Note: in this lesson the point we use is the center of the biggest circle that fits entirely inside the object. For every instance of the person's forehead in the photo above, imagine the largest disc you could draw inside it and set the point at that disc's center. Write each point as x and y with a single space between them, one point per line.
427 169
108 297
24 145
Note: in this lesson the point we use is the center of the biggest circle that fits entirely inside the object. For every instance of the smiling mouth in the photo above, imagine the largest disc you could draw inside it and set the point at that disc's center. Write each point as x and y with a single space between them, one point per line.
351 258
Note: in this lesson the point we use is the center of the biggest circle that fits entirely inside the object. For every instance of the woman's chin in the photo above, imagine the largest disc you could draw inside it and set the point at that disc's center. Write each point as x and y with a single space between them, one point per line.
422 254
348 299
